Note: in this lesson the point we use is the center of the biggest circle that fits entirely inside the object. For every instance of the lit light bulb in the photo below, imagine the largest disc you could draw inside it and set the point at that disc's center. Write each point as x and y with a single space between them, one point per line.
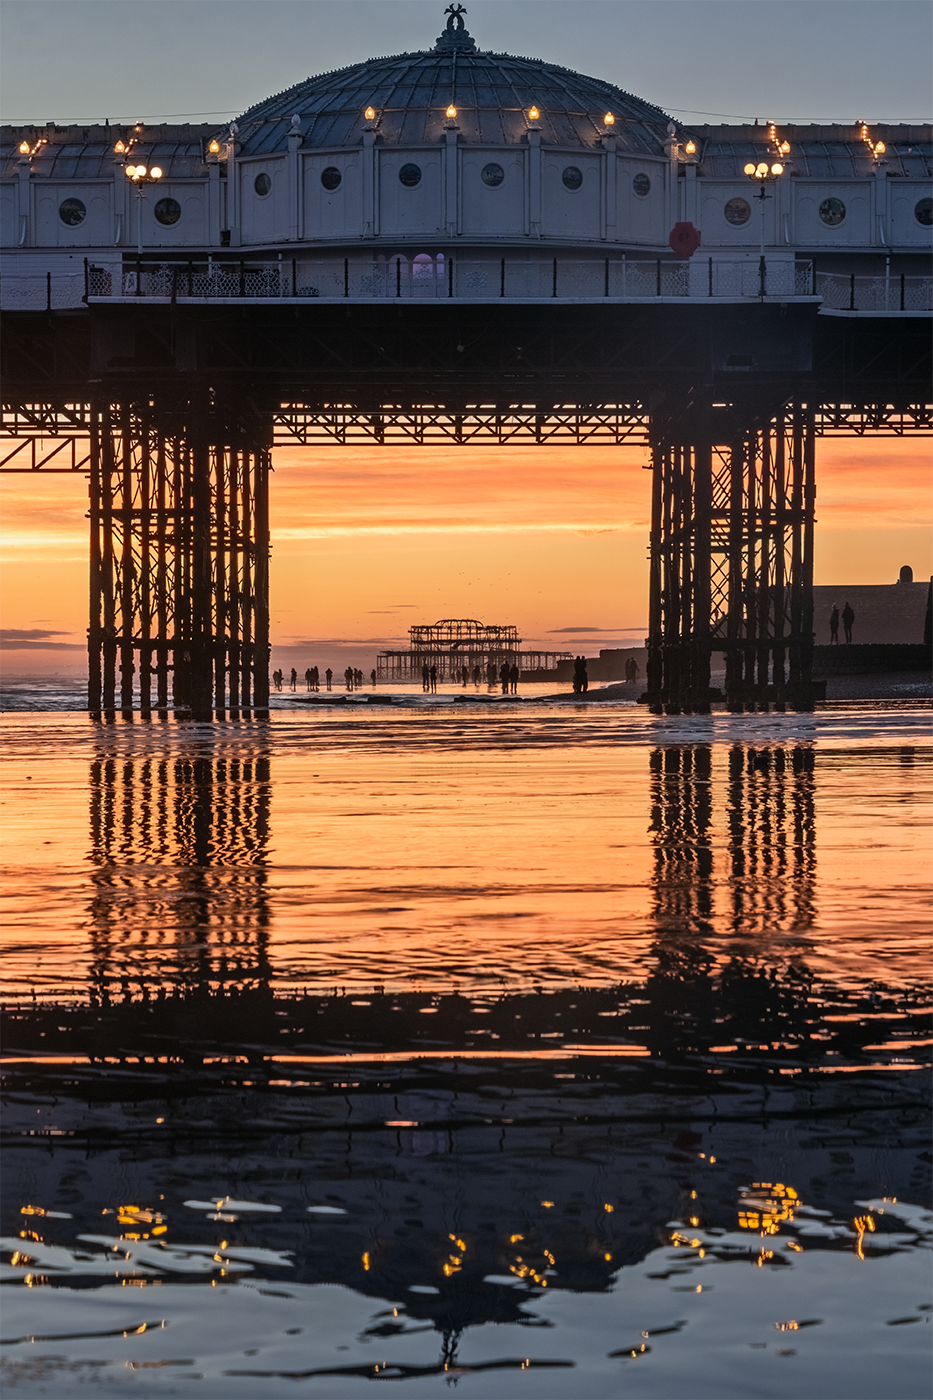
785 148
749 169
451 111
880 148
777 169
119 148
370 114
214 148
609 119
156 172
534 114
690 148
762 169
140 171
24 148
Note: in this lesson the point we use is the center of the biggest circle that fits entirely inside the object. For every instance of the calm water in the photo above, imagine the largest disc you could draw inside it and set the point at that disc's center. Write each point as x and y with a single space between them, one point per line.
447 1044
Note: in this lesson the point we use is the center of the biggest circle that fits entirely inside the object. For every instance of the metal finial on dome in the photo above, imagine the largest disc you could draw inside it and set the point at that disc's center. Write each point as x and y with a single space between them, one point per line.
455 36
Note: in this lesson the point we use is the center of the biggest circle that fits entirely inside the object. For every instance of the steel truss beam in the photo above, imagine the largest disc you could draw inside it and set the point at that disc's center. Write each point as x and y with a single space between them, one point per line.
731 563
179 561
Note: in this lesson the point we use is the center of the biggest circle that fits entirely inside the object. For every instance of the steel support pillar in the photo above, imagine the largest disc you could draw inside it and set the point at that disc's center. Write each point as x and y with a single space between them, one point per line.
179 554
731 562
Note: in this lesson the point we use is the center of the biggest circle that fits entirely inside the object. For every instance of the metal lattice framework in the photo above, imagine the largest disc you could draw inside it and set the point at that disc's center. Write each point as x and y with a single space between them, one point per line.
179 561
731 558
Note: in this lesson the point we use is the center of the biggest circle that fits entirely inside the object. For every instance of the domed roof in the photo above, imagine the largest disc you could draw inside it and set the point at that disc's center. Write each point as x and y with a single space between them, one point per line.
492 92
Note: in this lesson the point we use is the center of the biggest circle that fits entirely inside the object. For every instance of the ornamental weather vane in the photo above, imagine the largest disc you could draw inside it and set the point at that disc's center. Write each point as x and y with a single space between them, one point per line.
456 13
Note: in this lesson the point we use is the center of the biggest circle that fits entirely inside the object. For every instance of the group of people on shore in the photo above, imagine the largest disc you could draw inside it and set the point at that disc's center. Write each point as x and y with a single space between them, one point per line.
505 675
353 679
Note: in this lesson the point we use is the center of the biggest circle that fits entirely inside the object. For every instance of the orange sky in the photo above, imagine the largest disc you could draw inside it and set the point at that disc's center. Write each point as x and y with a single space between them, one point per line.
367 541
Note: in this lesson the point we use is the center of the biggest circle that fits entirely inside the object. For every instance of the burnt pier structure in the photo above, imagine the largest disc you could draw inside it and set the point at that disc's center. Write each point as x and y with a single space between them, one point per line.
173 411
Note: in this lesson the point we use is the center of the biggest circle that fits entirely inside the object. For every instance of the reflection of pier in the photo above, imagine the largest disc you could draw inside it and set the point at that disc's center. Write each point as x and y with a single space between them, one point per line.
733 839
179 849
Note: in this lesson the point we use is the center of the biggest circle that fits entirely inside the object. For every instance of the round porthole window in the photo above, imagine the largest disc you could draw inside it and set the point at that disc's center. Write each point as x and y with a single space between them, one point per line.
262 184
72 212
493 175
737 211
331 177
410 176
641 185
923 212
832 211
572 177
168 211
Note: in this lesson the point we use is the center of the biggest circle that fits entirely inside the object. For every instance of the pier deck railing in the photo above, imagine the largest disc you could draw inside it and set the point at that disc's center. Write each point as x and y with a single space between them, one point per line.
367 279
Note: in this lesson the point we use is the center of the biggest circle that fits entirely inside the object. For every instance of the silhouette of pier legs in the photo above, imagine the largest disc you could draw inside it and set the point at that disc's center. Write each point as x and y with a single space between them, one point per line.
731 557
179 591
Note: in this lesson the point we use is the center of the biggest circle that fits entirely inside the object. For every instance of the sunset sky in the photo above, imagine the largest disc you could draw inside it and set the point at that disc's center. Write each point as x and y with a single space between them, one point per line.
368 541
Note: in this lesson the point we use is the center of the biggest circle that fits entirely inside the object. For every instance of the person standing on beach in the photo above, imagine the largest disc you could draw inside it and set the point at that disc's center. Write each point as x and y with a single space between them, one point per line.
277 679
477 676
504 677
848 617
432 675
309 679
328 677
513 678
425 677
834 625
372 677
584 679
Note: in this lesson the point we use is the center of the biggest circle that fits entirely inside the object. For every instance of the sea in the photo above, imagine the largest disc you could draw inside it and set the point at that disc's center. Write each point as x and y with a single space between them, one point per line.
513 1046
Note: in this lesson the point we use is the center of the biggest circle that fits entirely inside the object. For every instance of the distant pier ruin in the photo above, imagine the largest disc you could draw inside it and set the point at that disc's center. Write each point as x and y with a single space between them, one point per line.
458 642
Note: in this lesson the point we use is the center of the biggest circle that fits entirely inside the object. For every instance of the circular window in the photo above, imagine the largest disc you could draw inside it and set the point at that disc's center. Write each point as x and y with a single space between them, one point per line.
832 211
641 185
493 175
72 212
262 184
331 177
572 177
923 212
737 211
410 176
168 211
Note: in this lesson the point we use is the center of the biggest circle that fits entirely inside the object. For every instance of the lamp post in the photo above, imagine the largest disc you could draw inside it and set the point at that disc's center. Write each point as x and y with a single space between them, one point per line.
140 176
763 173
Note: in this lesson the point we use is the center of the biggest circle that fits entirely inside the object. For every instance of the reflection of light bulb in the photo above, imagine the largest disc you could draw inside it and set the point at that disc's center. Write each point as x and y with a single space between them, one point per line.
534 114
451 111
24 148
609 119
370 114
214 148
690 148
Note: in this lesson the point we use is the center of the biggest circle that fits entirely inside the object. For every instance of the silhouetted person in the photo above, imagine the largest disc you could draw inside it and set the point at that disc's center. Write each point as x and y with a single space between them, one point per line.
277 679
584 679
504 677
834 626
466 676
433 678
425 677
348 677
491 673
328 677
315 678
513 678
848 617
631 670
577 679
309 679
477 675
294 679
372 677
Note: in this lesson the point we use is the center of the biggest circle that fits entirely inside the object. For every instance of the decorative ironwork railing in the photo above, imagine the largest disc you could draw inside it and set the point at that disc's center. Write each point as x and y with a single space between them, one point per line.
434 279
842 292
